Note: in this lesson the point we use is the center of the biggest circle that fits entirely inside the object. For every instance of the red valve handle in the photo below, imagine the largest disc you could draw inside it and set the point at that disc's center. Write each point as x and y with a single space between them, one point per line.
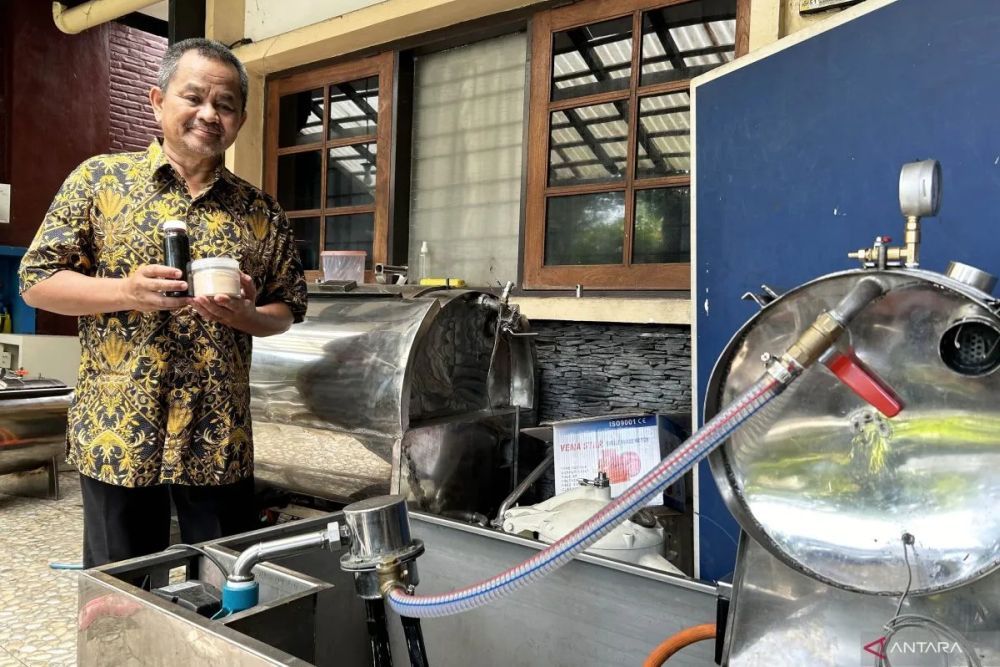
864 382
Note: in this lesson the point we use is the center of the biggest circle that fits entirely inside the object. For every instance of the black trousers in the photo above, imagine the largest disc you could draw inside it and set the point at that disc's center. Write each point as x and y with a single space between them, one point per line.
121 523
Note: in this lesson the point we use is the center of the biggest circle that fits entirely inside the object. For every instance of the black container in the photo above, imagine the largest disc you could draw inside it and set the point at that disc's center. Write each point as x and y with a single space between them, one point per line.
177 250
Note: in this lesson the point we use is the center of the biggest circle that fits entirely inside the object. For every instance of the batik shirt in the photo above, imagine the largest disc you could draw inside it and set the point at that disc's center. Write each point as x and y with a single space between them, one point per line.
162 397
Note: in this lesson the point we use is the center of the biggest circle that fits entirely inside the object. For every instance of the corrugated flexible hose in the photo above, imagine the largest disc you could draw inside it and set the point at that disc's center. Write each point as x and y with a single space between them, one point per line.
634 498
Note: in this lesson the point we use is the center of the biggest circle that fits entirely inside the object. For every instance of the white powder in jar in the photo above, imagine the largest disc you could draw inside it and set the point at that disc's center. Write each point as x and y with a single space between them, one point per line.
213 276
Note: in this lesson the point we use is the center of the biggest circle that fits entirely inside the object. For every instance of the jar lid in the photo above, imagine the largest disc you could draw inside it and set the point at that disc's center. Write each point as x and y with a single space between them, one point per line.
343 253
174 224
215 263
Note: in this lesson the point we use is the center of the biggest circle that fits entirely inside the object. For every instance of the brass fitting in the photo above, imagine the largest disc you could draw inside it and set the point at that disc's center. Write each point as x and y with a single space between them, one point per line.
881 255
390 575
814 341
911 240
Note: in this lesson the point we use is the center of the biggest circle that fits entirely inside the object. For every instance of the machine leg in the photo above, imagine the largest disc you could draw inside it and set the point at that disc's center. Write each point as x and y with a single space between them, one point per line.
378 633
414 641
54 478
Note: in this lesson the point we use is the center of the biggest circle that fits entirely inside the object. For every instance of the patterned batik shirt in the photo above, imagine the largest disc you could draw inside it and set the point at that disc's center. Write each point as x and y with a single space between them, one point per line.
162 397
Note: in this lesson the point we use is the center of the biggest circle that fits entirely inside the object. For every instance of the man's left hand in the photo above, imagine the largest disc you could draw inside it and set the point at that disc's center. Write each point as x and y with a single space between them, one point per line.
236 312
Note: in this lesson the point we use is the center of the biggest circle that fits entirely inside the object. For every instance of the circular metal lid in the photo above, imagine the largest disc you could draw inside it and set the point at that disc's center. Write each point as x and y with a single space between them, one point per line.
828 484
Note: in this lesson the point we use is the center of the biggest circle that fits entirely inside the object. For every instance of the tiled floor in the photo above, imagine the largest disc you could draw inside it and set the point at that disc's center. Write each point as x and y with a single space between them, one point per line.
38 604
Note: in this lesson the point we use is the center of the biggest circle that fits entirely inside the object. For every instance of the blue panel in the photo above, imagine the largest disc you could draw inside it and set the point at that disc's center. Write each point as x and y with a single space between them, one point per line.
22 315
799 157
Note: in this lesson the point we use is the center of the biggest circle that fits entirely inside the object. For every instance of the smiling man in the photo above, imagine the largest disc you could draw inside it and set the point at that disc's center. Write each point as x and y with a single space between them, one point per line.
162 405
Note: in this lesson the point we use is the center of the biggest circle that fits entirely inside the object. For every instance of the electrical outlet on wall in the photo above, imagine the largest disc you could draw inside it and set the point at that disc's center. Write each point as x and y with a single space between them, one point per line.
4 359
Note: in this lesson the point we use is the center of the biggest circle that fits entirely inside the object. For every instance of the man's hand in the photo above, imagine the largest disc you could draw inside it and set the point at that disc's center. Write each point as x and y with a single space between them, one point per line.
143 289
238 313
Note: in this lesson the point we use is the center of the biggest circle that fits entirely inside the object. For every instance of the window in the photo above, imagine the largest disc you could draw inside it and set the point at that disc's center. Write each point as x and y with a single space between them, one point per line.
609 156
327 158
468 134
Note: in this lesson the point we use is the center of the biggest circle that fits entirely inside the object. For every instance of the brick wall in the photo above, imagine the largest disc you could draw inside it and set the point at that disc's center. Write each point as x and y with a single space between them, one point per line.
134 60
589 369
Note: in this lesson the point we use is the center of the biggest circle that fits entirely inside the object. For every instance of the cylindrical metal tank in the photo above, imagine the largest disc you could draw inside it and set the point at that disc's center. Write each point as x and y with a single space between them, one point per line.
828 484
385 389
32 422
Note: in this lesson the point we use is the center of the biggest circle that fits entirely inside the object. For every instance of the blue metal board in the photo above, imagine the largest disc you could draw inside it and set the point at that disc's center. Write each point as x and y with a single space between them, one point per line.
22 315
798 158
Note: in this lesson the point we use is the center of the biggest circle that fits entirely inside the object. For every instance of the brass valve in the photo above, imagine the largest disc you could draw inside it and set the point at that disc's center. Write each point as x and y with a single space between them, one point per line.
882 255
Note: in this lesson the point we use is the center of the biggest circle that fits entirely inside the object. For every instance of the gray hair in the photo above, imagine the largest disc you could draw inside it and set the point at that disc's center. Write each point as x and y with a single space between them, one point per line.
206 48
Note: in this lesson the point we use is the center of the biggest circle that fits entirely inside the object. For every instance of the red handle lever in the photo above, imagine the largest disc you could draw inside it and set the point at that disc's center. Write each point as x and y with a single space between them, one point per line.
864 382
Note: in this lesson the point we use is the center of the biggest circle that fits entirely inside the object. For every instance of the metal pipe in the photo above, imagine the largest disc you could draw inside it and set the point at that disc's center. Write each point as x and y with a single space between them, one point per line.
414 641
283 547
378 633
77 19
522 487
515 447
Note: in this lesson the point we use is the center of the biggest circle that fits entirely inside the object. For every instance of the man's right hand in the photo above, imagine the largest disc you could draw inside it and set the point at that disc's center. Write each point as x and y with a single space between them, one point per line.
143 289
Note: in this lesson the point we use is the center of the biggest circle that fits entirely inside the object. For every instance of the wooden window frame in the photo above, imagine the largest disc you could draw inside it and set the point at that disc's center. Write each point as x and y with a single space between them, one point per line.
624 276
382 66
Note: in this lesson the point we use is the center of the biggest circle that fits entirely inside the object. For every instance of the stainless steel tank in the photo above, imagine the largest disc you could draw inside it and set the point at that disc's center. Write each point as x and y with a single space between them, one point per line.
384 389
830 486
32 424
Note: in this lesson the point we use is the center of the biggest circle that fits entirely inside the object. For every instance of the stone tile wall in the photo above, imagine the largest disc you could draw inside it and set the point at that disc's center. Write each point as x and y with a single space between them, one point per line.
589 369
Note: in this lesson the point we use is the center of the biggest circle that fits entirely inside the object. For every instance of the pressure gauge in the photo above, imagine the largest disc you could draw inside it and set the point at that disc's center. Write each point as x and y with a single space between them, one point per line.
920 188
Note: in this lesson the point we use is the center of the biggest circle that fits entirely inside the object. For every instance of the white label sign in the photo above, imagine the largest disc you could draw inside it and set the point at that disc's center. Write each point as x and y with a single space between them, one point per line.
4 202
625 448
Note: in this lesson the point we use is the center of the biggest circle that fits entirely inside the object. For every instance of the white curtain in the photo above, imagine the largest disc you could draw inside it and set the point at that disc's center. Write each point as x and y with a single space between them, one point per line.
466 178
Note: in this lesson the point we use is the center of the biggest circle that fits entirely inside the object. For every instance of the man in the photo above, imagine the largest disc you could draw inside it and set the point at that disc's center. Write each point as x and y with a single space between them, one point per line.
162 407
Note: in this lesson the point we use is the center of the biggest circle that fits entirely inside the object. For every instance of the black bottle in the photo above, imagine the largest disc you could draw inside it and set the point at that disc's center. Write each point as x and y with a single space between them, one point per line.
176 250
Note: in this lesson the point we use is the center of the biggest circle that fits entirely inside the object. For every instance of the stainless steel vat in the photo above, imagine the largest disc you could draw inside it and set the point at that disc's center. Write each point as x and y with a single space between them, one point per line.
121 623
33 425
385 389
780 617
594 612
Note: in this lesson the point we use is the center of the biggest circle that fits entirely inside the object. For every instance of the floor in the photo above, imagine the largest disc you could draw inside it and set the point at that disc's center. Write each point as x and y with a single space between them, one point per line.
37 603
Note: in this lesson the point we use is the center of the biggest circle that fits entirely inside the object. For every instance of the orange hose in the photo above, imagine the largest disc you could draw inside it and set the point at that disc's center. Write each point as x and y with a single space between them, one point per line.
678 641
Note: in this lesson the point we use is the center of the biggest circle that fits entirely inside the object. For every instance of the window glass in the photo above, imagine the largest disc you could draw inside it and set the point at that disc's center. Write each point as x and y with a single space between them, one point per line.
684 40
353 108
592 59
350 175
662 226
663 141
588 144
299 180
306 231
585 229
300 118
351 232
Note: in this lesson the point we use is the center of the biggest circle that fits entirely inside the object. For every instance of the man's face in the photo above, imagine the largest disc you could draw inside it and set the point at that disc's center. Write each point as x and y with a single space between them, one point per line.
200 112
